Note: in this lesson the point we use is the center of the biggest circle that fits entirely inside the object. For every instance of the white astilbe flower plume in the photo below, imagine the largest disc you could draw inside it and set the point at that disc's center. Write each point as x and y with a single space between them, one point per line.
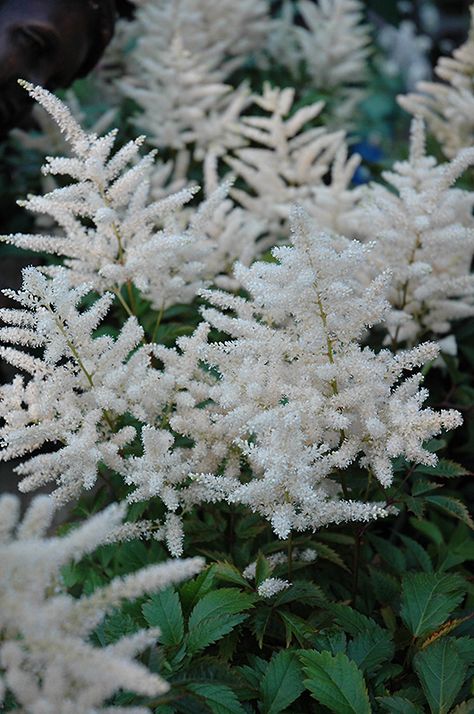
177 71
47 660
287 162
293 391
448 105
78 388
334 44
110 233
424 233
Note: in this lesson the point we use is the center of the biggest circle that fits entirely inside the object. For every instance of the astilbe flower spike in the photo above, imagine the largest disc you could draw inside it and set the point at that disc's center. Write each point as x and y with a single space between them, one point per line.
448 105
424 233
178 68
287 162
295 394
79 386
47 660
110 234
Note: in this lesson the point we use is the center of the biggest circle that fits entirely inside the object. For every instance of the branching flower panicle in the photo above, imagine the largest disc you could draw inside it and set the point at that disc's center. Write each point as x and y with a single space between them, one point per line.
47 659
78 388
424 233
296 395
110 234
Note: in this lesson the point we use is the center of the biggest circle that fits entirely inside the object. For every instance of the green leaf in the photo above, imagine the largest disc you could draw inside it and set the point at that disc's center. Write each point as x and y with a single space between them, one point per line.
418 554
117 625
296 627
301 591
428 599
371 648
350 620
229 573
282 683
215 615
263 569
193 590
336 682
441 672
444 468
452 506
399 705
333 641
163 610
428 529
393 556
466 707
325 552
219 698
385 587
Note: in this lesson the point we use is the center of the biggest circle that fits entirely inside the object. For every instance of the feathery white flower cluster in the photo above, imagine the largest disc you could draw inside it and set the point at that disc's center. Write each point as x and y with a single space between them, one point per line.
78 389
289 162
46 658
294 393
424 233
331 42
272 586
448 105
177 72
111 234
117 247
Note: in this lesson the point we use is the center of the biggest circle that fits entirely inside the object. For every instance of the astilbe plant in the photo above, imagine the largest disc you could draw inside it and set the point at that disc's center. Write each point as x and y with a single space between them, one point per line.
294 394
287 161
111 234
335 45
448 105
424 233
47 660
177 72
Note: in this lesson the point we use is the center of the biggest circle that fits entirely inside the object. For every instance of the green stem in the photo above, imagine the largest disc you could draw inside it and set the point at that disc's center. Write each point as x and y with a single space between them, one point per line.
290 555
158 322
123 303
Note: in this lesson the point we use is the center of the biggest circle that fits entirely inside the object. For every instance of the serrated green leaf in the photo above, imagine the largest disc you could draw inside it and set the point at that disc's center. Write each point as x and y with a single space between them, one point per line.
296 627
215 615
428 529
229 573
336 682
452 506
325 552
418 554
219 698
260 623
428 599
399 705
333 642
371 648
117 625
163 610
444 468
193 590
422 486
301 591
466 707
441 673
385 587
350 620
392 555
282 683
465 649
263 569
